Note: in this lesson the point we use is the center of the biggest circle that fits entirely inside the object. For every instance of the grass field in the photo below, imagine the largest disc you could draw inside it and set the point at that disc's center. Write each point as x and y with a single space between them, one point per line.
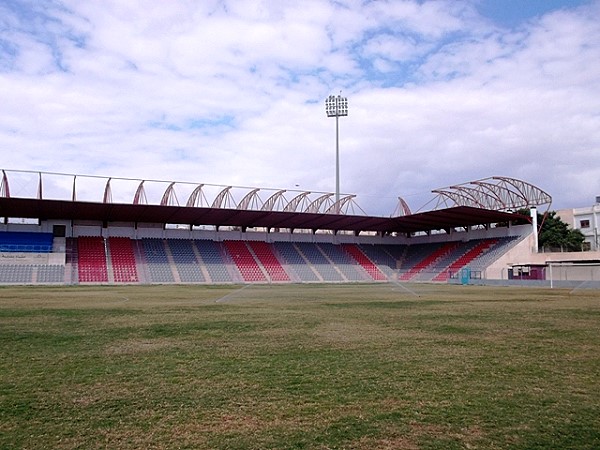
299 367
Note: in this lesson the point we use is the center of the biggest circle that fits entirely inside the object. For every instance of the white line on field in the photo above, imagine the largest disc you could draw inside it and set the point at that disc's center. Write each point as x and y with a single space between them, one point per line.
403 287
226 297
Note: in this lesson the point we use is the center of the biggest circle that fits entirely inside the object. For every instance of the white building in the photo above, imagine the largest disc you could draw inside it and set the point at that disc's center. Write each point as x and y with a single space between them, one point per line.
587 220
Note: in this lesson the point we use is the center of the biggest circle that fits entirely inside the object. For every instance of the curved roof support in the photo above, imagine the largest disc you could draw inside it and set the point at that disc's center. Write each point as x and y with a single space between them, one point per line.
169 198
315 206
507 188
292 206
441 201
504 198
197 198
341 206
402 209
224 197
496 193
275 200
496 200
250 199
472 194
4 187
459 199
107 198
492 192
533 194
140 195
459 196
352 207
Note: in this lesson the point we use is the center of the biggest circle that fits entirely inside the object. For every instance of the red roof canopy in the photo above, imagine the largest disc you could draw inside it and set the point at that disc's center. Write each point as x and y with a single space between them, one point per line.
460 216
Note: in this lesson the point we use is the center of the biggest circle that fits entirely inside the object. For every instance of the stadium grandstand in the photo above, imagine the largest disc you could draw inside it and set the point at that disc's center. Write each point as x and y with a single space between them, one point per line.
78 229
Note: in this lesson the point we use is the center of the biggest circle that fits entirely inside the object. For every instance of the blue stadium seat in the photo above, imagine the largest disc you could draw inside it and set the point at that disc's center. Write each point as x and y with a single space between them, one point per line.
25 242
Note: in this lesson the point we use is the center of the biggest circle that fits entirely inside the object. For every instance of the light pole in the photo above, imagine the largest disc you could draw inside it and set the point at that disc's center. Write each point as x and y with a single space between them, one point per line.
336 107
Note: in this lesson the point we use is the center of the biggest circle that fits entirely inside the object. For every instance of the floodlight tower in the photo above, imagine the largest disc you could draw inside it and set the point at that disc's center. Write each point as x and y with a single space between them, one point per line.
336 107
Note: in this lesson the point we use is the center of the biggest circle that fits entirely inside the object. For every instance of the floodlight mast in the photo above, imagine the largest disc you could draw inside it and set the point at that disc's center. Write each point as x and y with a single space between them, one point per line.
336 107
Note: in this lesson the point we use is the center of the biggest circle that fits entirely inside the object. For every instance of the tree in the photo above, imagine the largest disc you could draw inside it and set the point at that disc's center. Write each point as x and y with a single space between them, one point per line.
556 234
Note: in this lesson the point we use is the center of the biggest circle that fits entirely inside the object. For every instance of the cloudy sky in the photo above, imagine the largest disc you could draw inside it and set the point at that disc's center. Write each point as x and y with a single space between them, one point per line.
232 93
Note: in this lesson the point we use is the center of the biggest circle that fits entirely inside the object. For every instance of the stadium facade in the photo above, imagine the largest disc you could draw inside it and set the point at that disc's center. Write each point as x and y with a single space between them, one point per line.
74 229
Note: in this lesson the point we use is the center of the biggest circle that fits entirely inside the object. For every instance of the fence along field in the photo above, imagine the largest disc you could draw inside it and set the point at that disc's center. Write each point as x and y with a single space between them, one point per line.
310 366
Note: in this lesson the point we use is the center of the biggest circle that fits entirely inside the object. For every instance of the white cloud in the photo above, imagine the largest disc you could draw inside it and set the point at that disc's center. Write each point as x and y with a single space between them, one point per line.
232 93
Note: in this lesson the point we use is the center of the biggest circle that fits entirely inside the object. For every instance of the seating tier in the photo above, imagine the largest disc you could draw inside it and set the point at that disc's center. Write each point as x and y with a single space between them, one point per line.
212 253
92 266
364 261
154 260
122 258
155 254
184 258
245 262
264 253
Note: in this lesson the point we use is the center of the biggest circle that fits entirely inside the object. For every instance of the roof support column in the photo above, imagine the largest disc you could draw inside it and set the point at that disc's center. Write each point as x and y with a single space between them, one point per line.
534 224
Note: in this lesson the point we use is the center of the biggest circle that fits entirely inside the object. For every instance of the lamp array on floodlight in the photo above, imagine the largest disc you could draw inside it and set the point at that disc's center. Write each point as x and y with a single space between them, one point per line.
336 106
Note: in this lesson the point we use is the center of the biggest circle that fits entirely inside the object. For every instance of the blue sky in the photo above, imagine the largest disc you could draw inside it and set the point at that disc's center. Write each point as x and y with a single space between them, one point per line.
511 13
232 93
